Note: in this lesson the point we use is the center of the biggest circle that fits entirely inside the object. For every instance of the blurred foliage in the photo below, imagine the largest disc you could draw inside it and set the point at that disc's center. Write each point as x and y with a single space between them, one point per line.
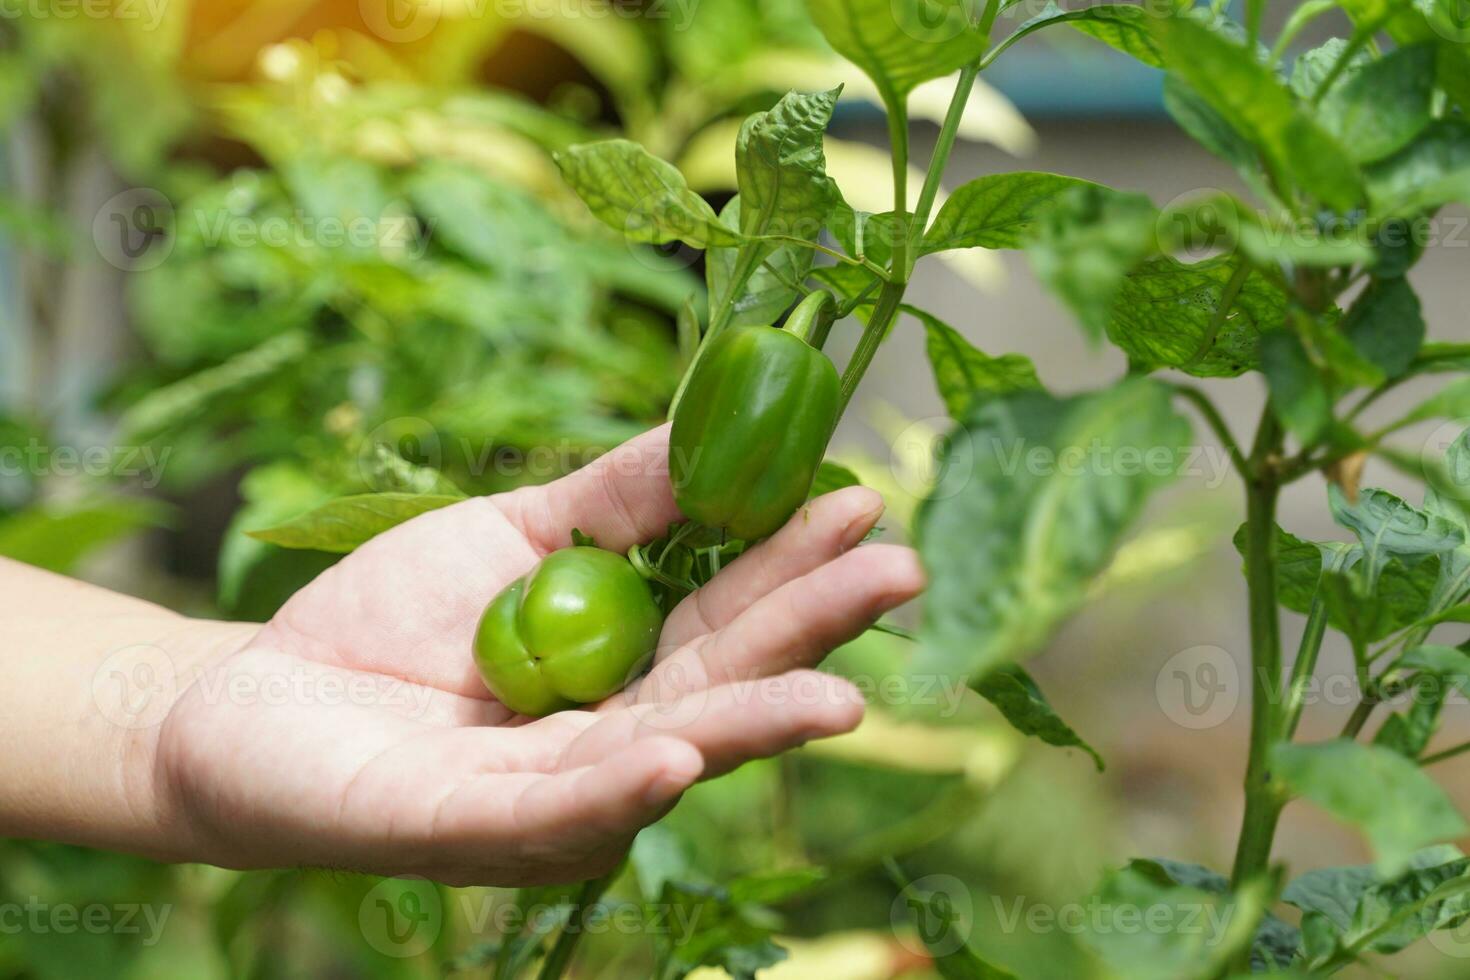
366 268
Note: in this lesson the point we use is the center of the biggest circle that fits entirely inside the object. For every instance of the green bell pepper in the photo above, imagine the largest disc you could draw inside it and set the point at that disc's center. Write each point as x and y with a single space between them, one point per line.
752 426
574 630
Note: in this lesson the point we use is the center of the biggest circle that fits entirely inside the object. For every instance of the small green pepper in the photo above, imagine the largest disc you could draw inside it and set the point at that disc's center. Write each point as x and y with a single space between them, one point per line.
751 427
574 630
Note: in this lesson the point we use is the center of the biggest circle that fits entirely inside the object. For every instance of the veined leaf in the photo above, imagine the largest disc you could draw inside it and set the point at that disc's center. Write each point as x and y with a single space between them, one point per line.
1431 171
1086 244
1383 105
1300 397
781 170
344 524
1121 26
1248 96
645 198
1168 950
996 211
1034 495
1388 527
1276 942
1362 912
900 43
966 375
1168 314
1017 697
1385 795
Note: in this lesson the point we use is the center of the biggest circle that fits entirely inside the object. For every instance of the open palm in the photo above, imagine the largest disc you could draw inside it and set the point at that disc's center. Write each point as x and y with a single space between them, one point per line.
352 730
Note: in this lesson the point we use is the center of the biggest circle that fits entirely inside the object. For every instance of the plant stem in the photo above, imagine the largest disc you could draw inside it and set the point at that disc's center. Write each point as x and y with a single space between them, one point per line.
1262 801
1216 422
942 148
884 311
1458 750
1304 667
560 957
898 138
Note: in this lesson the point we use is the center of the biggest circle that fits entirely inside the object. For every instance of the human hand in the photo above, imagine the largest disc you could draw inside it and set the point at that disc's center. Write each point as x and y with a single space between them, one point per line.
382 751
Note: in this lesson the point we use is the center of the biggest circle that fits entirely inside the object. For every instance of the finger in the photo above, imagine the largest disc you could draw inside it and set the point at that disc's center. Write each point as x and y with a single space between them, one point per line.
550 818
731 724
622 499
796 625
825 528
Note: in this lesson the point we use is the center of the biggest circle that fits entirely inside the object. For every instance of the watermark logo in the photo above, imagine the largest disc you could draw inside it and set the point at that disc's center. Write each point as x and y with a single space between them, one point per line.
136 686
1198 688
933 915
401 21
132 229
401 917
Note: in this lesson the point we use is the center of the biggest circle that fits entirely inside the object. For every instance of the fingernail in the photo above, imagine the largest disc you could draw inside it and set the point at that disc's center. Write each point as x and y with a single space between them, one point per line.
859 526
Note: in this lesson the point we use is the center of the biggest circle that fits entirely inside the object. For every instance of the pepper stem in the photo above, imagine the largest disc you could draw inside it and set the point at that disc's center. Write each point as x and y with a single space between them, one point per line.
812 318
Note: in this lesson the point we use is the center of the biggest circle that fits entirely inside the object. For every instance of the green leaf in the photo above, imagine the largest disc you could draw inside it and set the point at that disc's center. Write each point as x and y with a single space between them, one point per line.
1034 495
1385 795
1214 132
1016 696
164 408
766 294
944 932
57 537
1429 172
1313 66
1383 105
1087 243
1191 934
832 476
344 524
868 236
1121 26
1388 527
1452 402
1386 325
900 43
1276 942
781 170
996 211
1218 221
383 470
1167 314
1299 394
1365 913
1248 96
642 197
966 375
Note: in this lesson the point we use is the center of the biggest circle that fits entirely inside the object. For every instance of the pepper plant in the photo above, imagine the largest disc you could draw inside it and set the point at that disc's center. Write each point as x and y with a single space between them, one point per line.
1348 152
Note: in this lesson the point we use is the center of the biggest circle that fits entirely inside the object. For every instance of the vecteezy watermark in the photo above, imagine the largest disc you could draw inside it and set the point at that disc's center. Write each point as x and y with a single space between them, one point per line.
39 459
150 12
137 686
401 917
1208 221
1012 457
1202 687
37 917
1198 688
933 915
407 21
1097 916
132 230
485 913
